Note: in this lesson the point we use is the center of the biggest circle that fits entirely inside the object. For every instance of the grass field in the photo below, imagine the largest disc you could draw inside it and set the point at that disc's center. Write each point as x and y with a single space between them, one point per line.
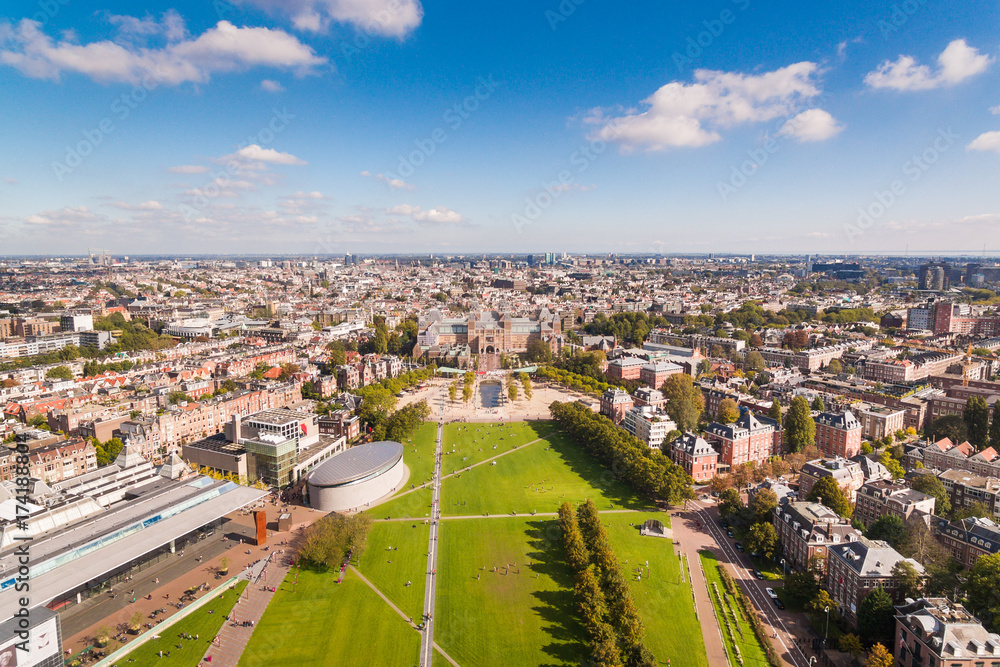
527 620
325 623
200 623
409 563
418 454
662 598
465 444
749 646
414 505
539 477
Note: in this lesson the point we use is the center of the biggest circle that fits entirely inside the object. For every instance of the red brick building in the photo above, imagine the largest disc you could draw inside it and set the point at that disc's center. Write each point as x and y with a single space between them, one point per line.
838 434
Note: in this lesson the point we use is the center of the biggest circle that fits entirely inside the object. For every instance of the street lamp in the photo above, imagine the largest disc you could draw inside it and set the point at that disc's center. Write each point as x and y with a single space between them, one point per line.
784 568
826 632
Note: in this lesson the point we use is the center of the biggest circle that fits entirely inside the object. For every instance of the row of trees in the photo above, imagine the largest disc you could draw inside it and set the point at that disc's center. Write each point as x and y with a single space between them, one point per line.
602 594
647 470
573 380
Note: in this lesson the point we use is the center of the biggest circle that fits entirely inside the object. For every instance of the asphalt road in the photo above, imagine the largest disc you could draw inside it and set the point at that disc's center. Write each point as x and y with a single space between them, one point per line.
430 589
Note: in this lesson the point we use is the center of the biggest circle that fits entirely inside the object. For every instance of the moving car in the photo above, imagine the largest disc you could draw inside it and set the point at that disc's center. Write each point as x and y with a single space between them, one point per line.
771 594
778 603
758 574
739 546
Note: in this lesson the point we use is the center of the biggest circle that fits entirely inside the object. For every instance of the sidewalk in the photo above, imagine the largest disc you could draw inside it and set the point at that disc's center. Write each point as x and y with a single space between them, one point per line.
233 638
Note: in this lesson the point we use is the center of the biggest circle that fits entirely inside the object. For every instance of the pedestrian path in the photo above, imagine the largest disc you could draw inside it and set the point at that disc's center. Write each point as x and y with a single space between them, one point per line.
231 641
427 640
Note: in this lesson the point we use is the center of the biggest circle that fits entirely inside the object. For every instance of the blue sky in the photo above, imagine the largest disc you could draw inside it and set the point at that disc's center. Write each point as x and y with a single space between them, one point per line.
312 126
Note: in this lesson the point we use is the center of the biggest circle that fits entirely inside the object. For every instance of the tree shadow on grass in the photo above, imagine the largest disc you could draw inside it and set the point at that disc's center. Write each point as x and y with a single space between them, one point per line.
594 473
556 608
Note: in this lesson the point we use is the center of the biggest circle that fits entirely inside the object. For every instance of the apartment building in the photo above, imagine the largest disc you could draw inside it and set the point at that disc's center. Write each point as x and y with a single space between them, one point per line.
849 475
52 463
838 434
936 632
648 424
879 421
858 568
656 373
615 403
626 368
749 438
807 530
968 539
696 456
883 497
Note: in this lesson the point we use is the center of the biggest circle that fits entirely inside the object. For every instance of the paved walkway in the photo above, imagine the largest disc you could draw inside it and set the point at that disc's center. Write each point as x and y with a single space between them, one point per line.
232 639
525 515
430 590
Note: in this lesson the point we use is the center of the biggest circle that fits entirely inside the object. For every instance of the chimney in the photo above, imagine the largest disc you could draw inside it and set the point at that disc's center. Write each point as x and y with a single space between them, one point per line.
236 428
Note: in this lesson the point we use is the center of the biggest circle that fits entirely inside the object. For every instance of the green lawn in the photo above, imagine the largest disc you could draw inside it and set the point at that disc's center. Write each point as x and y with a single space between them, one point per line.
409 563
325 623
416 505
662 598
539 478
749 645
465 444
201 623
515 618
418 454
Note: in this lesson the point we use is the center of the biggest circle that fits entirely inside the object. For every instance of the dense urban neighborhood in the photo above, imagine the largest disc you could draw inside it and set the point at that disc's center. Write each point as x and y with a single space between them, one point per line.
815 436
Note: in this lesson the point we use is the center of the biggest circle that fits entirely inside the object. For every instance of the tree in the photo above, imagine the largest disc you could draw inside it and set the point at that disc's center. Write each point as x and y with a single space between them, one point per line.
976 417
754 361
908 579
729 502
684 401
800 429
974 509
512 392
932 486
879 656
59 373
774 412
538 351
330 539
995 431
951 427
892 465
728 411
983 591
818 404
800 588
377 404
889 528
866 448
876 617
452 392
756 340
828 492
851 643
762 539
835 367
764 502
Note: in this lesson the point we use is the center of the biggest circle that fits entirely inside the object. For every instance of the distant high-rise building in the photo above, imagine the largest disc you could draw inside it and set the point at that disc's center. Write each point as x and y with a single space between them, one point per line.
934 276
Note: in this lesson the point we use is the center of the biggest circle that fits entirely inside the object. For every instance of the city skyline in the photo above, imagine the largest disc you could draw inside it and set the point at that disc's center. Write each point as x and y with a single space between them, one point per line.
399 127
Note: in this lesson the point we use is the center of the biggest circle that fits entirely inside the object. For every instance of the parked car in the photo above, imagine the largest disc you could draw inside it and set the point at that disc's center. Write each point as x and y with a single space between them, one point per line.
771 594
758 574
739 546
724 523
729 532
778 603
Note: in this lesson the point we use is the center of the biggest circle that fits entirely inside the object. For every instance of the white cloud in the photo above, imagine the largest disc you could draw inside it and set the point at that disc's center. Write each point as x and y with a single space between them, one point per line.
11 181
956 63
682 114
436 215
394 183
150 205
988 141
188 169
254 153
811 125
392 18
69 216
271 86
223 48
171 26
995 110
